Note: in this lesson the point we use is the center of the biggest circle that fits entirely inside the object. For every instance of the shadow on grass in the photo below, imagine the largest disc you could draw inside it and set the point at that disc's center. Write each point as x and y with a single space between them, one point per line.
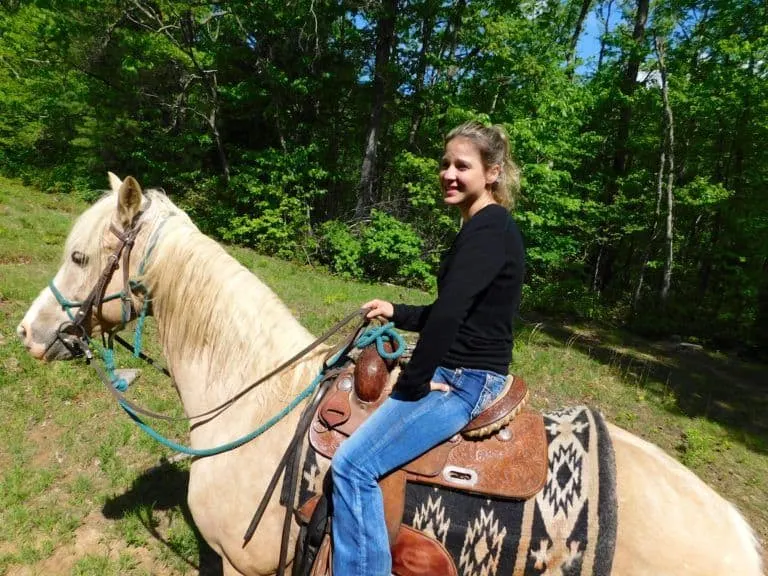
723 390
163 488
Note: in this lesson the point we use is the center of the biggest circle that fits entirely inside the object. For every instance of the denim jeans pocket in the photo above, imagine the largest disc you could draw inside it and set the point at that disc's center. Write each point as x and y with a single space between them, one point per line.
494 384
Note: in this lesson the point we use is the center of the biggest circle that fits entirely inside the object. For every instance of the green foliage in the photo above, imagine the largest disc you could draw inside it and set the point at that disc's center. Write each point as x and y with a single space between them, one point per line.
392 250
384 248
273 196
700 444
567 298
255 119
340 249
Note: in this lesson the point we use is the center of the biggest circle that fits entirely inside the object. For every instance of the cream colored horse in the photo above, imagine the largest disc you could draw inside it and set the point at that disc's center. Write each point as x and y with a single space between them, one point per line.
221 328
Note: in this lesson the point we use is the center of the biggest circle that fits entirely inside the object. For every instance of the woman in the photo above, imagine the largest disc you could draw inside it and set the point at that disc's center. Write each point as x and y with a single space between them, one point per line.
460 361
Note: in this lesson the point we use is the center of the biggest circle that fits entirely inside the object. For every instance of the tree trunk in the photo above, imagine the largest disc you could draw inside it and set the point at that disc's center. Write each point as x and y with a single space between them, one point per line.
598 268
654 230
427 29
585 6
705 270
627 87
385 35
669 142
604 35
186 43
620 164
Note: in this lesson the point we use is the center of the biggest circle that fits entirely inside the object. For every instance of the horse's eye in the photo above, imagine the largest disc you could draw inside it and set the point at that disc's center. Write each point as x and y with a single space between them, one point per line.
79 258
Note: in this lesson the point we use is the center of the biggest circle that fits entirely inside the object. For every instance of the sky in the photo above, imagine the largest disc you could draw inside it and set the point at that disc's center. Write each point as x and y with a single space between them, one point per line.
588 47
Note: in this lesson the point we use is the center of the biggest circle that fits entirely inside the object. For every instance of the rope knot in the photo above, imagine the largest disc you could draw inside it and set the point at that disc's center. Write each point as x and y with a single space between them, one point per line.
381 335
108 356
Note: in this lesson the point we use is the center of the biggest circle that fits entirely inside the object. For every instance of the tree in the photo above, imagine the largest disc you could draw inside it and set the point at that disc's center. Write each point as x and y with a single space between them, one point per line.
385 36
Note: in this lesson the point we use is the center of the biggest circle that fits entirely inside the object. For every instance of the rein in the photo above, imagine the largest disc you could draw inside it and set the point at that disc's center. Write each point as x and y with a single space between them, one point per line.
328 371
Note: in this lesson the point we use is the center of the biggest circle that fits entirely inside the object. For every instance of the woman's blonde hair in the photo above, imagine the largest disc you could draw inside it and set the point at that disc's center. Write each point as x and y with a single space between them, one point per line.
493 144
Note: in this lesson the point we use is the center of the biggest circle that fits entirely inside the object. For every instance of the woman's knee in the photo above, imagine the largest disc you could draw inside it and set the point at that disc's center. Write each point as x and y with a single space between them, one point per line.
347 463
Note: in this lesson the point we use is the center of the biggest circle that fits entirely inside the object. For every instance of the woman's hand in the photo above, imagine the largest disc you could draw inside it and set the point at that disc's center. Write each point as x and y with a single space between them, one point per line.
442 386
379 308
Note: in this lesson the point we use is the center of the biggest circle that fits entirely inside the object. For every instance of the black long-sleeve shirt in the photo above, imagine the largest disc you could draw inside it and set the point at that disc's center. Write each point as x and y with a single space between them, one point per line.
470 324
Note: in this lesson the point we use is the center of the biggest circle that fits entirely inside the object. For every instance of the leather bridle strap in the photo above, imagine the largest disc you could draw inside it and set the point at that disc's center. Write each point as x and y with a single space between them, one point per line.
96 296
127 240
292 452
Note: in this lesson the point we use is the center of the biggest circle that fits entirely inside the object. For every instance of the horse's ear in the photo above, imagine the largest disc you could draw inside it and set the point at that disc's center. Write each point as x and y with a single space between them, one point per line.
129 199
114 181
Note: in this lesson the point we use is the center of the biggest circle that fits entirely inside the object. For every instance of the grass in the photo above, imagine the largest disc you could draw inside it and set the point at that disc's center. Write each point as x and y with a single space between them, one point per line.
83 491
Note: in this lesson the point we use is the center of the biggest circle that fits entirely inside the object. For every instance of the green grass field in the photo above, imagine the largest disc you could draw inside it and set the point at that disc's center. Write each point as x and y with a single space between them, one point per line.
83 491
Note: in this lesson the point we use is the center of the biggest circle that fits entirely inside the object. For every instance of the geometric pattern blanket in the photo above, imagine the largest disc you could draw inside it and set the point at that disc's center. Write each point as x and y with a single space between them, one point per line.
567 529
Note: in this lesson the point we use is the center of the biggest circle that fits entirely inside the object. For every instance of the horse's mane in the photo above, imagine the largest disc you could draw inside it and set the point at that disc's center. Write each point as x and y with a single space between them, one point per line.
212 306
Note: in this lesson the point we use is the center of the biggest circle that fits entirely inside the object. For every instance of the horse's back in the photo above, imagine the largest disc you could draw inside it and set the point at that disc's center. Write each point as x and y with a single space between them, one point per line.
670 522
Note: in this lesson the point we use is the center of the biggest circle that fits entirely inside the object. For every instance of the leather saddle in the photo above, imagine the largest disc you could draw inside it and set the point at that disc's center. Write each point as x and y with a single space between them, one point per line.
501 454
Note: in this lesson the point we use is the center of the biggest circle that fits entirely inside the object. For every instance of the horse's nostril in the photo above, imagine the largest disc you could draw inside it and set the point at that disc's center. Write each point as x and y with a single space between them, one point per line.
21 331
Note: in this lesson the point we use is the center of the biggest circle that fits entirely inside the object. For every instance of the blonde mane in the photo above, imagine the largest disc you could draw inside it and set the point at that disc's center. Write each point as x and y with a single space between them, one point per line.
211 304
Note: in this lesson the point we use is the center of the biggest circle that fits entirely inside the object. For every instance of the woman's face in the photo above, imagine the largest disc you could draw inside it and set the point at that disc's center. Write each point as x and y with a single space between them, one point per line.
463 178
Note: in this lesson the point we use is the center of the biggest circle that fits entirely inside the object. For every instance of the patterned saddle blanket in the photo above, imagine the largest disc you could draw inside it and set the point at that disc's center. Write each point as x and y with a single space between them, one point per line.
568 528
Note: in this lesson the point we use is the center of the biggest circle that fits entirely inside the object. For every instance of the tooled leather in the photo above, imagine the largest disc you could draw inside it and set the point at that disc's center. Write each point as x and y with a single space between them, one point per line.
515 468
513 393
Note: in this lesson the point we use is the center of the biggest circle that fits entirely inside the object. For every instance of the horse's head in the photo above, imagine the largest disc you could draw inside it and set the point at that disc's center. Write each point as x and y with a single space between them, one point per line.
91 293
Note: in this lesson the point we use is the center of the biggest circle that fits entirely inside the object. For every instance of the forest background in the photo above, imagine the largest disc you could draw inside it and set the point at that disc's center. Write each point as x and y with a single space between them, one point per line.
312 129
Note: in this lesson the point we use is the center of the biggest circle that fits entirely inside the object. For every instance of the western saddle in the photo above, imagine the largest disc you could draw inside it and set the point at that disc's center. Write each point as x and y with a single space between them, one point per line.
501 454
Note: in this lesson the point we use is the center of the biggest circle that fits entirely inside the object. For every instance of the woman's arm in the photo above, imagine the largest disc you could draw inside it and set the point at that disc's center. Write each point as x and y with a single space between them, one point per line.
405 316
477 260
411 318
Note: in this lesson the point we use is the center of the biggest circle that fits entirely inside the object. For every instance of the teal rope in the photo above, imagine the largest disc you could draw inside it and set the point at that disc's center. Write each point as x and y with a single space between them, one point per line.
380 335
67 304
229 445
108 356
139 331
137 334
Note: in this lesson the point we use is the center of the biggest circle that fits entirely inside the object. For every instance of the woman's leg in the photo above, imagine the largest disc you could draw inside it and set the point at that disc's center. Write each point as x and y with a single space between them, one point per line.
396 433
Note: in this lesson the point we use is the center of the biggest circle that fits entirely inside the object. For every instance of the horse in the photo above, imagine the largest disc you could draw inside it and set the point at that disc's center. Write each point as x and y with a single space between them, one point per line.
220 328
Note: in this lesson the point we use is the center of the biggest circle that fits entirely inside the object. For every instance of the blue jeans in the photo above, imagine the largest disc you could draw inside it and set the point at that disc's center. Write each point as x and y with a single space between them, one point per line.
396 433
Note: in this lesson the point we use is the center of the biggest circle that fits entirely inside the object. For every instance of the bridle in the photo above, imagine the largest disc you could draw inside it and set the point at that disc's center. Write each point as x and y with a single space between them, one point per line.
77 325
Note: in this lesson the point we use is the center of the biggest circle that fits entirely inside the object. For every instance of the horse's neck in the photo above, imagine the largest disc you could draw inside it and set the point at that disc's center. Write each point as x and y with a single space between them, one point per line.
222 329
